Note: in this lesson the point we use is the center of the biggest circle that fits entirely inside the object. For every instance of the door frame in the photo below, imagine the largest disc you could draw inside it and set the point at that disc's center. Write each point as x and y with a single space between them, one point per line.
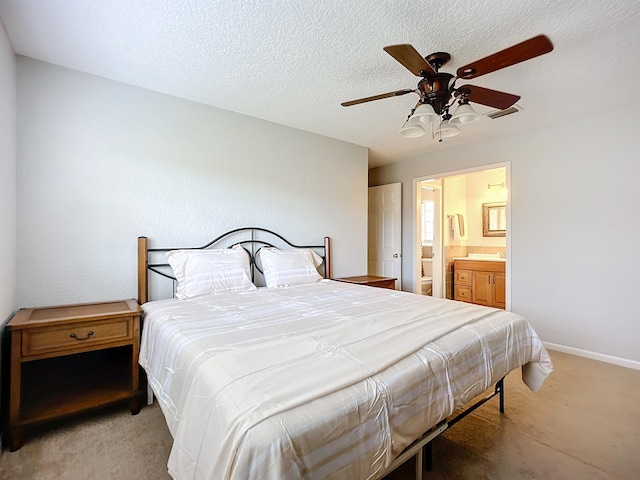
437 258
417 241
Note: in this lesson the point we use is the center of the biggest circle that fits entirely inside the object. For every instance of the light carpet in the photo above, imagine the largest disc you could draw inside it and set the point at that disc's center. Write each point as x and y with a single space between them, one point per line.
584 423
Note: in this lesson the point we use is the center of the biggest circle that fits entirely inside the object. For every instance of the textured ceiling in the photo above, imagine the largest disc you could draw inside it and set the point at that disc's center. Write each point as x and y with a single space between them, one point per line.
294 61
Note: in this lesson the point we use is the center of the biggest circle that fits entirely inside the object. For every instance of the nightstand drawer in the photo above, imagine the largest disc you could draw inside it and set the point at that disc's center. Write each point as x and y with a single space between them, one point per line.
36 341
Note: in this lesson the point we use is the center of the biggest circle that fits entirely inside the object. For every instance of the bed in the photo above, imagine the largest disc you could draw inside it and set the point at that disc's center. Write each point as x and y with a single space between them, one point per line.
308 377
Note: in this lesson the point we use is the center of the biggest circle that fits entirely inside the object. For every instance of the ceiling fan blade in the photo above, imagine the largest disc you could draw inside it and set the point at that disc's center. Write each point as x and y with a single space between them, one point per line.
411 60
486 96
505 58
397 93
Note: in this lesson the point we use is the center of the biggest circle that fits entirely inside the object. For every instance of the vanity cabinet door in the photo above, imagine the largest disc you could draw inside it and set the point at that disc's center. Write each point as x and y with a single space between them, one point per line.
499 290
482 288
489 289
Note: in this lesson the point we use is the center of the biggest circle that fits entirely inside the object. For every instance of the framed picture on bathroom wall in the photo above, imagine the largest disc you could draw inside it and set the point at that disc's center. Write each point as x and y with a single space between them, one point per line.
494 219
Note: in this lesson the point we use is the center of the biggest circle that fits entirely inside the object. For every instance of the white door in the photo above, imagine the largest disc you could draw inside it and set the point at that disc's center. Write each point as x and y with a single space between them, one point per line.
385 230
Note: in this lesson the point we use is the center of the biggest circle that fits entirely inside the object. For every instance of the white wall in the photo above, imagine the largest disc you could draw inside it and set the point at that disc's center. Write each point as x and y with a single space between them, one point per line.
477 195
454 202
575 230
7 183
7 177
100 163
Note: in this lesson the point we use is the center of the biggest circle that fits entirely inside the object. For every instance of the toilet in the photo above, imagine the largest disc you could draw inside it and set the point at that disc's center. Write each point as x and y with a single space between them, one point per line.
427 276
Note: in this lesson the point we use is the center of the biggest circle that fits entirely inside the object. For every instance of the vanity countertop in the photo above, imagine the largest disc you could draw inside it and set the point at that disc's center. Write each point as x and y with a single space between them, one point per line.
483 258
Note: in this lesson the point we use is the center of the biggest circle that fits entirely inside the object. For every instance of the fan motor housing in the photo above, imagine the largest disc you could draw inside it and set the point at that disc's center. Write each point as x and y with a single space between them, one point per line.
436 90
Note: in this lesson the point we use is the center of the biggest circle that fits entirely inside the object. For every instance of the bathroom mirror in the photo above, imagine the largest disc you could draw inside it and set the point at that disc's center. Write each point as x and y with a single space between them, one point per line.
494 219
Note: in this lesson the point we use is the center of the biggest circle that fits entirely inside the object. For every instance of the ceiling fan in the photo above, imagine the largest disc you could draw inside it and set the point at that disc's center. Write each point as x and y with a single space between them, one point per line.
438 92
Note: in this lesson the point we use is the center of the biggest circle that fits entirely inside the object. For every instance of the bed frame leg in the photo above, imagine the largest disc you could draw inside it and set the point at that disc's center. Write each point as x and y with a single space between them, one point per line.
500 389
149 395
419 460
427 459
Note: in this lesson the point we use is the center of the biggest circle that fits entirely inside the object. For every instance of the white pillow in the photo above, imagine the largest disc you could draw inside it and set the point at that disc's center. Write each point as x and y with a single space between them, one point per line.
205 272
283 268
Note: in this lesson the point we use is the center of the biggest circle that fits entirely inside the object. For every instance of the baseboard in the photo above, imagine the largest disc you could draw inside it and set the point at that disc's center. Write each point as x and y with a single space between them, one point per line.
623 362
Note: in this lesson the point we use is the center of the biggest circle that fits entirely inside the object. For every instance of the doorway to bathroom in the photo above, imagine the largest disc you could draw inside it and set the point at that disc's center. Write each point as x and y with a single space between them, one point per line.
457 215
430 238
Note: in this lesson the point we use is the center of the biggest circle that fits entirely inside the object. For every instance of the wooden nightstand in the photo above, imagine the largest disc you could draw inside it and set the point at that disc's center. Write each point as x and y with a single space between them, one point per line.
72 358
371 280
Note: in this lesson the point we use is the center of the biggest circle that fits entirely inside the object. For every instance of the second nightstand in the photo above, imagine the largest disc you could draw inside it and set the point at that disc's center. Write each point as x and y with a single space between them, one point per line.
72 358
371 280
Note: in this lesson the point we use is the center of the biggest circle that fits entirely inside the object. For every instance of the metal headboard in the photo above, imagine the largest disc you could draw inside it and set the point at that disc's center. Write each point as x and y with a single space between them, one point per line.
252 239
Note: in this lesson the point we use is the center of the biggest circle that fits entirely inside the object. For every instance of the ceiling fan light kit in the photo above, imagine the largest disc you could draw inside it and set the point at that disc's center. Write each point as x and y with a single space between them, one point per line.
464 115
424 113
446 129
412 130
437 90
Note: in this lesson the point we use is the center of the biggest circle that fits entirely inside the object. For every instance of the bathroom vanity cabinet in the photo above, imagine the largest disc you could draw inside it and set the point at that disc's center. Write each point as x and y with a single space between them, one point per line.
479 281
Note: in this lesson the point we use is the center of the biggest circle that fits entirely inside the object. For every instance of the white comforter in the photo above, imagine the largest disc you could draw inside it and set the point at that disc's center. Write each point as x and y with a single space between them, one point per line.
327 380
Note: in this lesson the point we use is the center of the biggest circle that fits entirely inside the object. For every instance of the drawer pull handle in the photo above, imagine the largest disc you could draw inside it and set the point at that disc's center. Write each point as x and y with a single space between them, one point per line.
73 335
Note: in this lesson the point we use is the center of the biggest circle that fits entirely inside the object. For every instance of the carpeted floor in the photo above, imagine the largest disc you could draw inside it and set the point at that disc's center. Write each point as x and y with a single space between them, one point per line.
584 423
